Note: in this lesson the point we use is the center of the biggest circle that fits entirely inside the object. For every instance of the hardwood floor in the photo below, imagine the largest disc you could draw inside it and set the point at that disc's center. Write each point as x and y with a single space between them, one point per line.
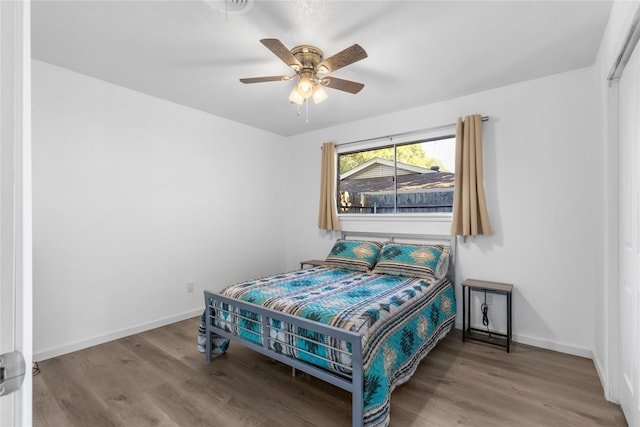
158 378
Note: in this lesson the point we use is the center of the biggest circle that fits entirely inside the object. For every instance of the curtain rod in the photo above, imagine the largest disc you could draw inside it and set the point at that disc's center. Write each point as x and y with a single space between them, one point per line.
484 119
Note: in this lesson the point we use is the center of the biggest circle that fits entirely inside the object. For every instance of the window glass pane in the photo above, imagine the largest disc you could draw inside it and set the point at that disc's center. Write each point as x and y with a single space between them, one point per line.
425 179
425 176
365 183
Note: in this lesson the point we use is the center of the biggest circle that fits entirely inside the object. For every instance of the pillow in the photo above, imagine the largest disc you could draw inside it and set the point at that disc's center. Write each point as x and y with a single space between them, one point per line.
354 255
409 260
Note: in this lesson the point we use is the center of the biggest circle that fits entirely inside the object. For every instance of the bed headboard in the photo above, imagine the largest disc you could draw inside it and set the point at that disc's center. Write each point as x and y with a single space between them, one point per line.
446 240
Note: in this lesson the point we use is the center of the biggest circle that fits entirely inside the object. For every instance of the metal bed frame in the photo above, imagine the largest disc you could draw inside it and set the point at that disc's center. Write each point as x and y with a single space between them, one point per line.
351 377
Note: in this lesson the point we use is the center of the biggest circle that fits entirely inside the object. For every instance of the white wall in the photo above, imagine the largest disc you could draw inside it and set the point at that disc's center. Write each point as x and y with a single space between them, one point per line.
133 198
606 321
542 178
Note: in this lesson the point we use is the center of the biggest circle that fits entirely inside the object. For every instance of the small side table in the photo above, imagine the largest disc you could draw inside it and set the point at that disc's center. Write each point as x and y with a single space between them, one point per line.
469 333
311 262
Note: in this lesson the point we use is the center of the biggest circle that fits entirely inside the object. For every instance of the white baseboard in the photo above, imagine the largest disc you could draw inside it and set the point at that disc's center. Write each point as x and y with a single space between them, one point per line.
550 345
69 348
547 345
601 375
604 380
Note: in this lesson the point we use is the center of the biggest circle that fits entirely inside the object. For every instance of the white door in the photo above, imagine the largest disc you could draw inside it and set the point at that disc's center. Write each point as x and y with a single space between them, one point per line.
15 202
629 133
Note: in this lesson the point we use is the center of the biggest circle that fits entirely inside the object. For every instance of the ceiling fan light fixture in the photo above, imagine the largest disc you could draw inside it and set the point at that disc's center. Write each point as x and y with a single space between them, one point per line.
295 96
319 94
305 86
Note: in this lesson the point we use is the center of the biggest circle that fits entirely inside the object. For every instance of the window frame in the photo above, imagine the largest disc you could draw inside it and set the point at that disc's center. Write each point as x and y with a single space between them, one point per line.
392 142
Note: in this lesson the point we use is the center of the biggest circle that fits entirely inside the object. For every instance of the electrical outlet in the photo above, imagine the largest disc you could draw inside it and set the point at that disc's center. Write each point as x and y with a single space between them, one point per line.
190 287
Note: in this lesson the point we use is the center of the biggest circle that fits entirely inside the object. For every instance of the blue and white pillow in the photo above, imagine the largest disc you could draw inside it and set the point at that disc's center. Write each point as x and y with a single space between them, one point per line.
354 255
409 260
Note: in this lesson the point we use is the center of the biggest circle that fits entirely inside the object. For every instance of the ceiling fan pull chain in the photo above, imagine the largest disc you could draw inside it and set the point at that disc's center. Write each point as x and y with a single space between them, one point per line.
306 101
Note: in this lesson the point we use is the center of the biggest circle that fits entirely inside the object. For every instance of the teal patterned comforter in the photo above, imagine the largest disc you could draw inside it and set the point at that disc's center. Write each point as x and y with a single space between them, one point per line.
399 318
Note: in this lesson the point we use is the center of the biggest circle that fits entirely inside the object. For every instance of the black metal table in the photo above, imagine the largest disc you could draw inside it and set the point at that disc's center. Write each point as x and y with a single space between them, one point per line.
476 334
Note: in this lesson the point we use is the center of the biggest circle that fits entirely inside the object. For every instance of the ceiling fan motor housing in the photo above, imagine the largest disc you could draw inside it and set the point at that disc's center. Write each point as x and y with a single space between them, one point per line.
309 56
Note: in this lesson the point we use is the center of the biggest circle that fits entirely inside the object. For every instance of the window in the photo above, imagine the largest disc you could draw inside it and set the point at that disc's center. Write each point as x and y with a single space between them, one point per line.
413 177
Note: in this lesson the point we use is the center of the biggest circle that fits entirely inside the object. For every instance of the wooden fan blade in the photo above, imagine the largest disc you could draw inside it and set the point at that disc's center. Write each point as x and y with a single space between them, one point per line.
344 85
264 79
343 58
281 51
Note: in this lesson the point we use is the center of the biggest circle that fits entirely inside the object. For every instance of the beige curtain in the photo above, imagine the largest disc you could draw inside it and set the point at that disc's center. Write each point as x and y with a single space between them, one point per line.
328 215
470 216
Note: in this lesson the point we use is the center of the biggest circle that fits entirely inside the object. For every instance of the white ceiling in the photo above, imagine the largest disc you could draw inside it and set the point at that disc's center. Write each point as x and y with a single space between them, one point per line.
419 52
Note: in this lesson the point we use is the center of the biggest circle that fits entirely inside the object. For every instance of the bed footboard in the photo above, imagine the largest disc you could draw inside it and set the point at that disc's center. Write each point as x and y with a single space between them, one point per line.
350 377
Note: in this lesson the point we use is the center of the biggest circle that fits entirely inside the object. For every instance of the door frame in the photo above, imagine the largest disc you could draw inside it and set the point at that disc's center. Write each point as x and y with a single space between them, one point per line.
611 304
613 333
16 293
629 263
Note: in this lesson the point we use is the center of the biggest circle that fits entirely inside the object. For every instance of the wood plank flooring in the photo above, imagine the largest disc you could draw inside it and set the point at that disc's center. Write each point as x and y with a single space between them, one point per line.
158 378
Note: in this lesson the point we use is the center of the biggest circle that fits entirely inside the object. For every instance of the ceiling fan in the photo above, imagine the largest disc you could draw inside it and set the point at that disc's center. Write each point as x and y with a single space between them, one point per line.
309 66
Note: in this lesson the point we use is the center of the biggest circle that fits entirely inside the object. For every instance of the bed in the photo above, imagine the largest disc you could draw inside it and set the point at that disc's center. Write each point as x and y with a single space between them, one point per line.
362 321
